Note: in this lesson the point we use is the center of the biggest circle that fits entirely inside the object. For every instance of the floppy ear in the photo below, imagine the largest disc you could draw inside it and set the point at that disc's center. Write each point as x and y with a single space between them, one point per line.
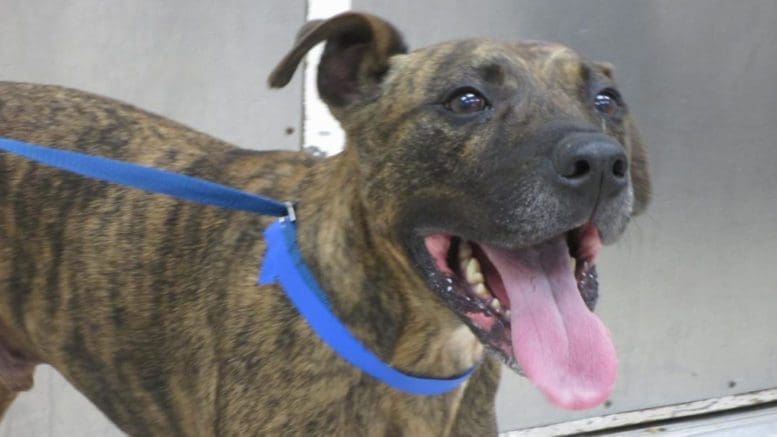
355 58
640 177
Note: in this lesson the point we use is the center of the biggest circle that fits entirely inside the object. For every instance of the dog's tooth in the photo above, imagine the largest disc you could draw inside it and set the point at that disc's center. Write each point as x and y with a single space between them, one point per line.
473 272
495 305
481 291
473 278
465 251
507 314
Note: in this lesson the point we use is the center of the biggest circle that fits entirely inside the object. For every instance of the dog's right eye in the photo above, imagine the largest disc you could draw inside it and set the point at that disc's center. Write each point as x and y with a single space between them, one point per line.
466 101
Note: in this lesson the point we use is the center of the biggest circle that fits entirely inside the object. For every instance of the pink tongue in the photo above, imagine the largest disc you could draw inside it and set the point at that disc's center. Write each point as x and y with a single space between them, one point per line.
564 349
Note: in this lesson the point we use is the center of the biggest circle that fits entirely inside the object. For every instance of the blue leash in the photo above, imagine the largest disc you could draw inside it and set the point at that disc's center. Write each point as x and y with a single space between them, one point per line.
146 178
283 262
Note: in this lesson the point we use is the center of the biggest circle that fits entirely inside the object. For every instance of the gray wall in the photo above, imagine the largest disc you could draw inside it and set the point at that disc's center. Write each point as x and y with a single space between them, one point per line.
690 293
203 63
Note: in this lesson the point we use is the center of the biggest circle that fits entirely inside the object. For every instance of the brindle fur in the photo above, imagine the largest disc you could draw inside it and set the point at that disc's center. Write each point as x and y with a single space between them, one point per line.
149 306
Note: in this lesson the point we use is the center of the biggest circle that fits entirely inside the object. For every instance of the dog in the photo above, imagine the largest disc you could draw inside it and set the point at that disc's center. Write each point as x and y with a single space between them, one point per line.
458 229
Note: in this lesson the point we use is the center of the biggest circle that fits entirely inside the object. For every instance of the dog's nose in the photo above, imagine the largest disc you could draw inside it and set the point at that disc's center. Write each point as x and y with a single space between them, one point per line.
592 166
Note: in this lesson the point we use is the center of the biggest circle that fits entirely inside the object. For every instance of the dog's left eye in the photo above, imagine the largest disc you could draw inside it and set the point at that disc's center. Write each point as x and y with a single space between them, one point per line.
608 102
466 101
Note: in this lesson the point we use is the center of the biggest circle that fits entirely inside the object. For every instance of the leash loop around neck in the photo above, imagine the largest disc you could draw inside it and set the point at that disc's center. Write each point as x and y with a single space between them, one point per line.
283 263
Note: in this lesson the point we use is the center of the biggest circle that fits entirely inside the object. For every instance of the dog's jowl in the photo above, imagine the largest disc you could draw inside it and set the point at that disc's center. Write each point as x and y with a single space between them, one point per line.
459 228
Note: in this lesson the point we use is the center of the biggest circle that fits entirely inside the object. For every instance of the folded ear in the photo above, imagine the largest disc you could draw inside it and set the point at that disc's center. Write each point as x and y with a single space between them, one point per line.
355 58
640 177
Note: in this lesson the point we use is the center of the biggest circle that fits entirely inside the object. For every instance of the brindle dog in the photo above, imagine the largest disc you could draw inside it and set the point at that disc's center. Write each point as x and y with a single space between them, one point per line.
436 232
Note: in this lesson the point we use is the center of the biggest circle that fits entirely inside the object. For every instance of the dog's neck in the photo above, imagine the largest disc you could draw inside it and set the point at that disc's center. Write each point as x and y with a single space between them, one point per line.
370 283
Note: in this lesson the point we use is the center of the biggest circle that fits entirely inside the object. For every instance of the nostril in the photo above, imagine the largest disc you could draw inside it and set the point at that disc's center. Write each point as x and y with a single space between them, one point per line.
619 168
582 168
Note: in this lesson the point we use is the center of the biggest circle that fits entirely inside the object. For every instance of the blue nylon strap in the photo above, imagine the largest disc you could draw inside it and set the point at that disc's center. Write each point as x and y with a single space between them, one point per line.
285 265
146 178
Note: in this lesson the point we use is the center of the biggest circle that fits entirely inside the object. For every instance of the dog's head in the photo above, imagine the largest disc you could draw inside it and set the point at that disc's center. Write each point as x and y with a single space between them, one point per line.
500 169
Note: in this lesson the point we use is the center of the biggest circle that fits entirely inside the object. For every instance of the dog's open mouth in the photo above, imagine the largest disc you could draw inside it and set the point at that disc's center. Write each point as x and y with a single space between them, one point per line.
533 306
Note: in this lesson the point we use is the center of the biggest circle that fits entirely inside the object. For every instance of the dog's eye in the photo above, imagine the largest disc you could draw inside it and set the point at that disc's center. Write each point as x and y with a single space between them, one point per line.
466 101
608 102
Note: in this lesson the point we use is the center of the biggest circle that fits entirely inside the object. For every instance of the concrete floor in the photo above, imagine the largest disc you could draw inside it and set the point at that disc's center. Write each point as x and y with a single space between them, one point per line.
746 414
52 409
760 423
